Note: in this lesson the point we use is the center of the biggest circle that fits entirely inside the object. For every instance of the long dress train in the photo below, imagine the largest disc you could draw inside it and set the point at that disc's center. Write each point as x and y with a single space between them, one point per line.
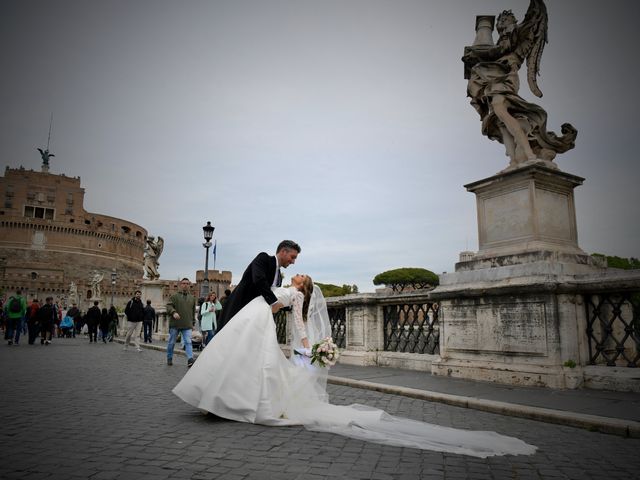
243 375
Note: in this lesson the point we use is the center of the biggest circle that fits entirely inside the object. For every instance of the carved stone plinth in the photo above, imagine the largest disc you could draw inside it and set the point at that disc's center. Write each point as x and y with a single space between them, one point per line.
89 302
526 209
152 290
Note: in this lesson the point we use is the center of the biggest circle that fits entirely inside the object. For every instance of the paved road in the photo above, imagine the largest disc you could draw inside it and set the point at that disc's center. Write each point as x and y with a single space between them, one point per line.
75 410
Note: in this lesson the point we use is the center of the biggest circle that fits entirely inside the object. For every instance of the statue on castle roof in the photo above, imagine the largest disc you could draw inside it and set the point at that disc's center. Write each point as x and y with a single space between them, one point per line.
45 156
492 71
152 252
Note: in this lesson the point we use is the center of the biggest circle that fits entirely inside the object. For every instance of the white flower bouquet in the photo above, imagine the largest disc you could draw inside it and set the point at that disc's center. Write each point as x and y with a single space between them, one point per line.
325 353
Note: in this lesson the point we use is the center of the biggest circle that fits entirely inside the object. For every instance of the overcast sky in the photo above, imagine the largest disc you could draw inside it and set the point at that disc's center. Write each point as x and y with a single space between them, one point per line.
341 124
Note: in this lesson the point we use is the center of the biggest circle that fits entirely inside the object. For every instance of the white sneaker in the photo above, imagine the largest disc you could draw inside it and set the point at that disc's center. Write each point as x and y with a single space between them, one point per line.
138 349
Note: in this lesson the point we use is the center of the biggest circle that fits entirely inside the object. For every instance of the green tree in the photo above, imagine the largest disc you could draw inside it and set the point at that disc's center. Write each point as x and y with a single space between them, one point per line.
329 290
619 262
401 278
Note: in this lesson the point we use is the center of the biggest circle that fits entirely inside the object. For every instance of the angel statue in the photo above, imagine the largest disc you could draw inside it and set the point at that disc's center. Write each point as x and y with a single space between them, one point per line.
96 278
73 293
152 252
45 156
492 71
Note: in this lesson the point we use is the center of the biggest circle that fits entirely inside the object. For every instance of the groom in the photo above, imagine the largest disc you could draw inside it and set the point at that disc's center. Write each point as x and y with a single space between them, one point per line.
261 274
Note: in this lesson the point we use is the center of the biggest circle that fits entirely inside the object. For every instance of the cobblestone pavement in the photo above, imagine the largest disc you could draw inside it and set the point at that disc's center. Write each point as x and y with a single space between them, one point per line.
75 410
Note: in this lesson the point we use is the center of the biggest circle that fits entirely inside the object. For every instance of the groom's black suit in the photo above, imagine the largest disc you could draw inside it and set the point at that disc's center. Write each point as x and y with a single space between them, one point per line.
256 281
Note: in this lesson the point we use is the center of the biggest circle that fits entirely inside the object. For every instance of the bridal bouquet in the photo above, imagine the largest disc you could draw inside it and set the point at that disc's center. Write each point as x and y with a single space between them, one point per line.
325 352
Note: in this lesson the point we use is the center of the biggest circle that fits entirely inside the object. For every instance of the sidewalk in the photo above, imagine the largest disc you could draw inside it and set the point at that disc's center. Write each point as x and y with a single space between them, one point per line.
616 413
597 410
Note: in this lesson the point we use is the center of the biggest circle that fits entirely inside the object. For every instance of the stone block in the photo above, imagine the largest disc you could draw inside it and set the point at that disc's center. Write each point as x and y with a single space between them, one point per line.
529 208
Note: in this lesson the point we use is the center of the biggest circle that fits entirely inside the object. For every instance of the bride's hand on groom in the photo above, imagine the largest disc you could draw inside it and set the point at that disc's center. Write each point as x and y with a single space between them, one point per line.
275 308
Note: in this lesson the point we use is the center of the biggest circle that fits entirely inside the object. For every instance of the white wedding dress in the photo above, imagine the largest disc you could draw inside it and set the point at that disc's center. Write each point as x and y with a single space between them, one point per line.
243 375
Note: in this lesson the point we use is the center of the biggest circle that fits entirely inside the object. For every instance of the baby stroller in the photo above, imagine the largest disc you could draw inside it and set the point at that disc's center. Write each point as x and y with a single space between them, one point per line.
197 341
66 326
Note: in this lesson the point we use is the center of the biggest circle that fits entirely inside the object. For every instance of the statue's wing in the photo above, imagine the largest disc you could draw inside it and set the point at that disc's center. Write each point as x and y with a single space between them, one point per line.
533 36
160 245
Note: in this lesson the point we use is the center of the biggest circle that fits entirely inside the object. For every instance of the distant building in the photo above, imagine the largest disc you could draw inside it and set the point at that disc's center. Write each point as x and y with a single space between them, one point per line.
48 240
218 281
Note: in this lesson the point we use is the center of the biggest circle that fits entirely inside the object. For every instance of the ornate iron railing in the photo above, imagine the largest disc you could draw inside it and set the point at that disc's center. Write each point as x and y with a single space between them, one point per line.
613 328
412 328
338 320
281 326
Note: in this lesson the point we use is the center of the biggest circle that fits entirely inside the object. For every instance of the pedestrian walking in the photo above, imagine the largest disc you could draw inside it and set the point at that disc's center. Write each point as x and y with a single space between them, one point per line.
181 310
149 320
47 317
33 326
92 318
104 324
135 315
208 311
15 309
74 313
113 323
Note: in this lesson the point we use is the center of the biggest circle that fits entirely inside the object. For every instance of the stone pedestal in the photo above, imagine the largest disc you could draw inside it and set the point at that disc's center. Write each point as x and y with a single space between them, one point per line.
152 290
89 303
526 209
514 312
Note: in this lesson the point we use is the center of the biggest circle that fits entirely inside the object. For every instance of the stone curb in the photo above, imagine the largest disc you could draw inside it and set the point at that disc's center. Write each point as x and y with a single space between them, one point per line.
595 423
613 426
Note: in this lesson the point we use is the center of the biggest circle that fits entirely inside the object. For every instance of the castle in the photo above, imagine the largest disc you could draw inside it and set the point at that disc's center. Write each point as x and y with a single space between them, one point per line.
48 240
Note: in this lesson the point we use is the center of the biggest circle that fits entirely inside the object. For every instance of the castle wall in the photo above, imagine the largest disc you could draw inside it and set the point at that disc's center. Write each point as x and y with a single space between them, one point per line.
48 239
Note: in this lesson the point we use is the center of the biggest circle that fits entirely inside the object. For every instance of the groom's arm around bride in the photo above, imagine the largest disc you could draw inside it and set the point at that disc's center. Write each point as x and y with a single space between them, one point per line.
261 274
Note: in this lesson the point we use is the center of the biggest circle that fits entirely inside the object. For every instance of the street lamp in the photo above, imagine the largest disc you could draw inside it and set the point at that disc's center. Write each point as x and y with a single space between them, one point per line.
113 283
208 235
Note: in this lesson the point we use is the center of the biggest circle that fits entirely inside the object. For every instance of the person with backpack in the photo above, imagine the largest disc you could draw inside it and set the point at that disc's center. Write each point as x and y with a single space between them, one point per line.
15 310
208 310
135 315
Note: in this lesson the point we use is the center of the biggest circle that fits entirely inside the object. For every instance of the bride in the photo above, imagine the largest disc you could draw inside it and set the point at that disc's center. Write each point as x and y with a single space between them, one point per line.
243 375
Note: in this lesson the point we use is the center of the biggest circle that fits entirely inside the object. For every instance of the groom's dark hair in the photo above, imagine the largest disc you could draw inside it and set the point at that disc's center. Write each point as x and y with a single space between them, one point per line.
290 245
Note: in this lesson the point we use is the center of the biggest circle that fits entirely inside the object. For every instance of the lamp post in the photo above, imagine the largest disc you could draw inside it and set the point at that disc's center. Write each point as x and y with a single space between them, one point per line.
208 235
113 283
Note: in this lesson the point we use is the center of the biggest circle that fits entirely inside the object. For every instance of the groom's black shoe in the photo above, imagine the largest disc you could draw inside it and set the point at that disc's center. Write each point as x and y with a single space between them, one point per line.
190 362
169 361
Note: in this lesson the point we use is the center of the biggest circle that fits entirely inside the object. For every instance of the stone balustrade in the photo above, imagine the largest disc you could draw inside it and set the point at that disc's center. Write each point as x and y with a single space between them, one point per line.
407 330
